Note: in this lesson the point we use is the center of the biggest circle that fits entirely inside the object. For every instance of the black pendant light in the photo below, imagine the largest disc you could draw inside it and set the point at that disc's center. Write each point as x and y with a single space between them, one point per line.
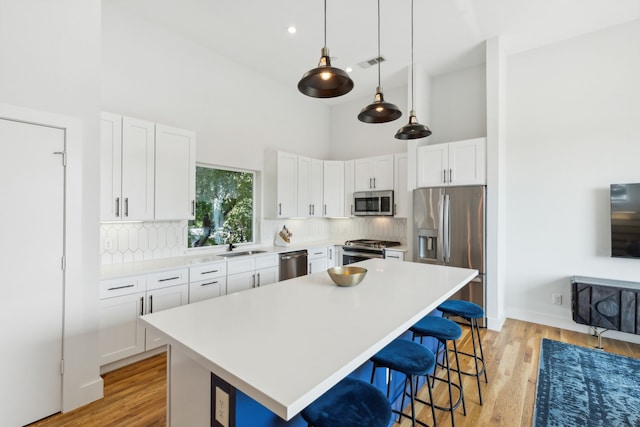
325 81
379 111
413 130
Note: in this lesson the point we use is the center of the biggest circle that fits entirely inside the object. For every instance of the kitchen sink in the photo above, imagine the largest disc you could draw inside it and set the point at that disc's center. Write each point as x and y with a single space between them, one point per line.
234 254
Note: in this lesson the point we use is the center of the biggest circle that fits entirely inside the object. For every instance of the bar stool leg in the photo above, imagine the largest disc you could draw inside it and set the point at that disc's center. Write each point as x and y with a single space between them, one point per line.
475 354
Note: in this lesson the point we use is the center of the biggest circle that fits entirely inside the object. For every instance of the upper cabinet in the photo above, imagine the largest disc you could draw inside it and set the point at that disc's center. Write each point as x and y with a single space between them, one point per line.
147 170
453 163
374 173
310 187
349 186
281 184
334 188
175 173
400 188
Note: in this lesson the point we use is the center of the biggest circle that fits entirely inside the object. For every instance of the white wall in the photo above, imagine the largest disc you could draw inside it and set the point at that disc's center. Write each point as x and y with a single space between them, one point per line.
51 62
353 139
156 75
458 105
572 129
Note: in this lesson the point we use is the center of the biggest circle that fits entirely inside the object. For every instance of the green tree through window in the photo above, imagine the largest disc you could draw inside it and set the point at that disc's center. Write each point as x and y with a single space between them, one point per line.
224 208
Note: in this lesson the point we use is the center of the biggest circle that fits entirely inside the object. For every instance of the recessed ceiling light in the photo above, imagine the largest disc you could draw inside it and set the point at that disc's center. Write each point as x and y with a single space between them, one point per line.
291 29
349 69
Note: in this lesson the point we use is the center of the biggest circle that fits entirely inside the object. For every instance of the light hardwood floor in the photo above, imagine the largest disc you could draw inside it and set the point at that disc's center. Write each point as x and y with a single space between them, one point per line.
135 396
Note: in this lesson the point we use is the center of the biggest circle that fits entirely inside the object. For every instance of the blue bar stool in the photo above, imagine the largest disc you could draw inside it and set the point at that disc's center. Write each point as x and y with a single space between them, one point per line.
350 403
444 330
471 313
412 360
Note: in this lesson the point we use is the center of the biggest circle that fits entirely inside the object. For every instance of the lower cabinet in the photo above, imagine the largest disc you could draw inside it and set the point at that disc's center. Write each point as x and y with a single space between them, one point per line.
207 281
163 299
247 273
318 260
393 255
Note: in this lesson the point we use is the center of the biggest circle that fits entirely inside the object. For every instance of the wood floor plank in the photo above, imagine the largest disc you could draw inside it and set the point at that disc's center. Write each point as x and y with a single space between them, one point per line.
135 395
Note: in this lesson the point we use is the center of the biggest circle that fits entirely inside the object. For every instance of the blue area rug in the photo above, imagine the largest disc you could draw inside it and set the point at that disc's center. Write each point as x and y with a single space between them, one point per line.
580 386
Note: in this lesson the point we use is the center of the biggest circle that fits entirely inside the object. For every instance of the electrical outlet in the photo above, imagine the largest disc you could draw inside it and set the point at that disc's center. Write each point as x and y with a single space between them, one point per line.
108 244
222 407
556 299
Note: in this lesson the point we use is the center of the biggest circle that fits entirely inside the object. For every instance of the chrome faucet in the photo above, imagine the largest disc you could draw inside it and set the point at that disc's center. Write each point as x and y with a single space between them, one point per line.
231 245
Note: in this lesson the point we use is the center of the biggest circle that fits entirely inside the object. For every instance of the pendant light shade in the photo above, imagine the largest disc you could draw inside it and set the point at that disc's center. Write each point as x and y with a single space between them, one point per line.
379 111
413 130
325 81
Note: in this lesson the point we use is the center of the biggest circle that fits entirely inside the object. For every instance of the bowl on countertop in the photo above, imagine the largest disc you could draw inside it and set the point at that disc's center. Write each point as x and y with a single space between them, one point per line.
347 276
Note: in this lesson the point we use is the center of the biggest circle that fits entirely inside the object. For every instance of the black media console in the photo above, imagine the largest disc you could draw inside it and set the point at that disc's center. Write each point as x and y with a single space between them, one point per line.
604 303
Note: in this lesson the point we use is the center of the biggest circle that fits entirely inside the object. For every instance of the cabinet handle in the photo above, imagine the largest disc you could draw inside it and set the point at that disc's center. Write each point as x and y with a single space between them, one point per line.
253 278
313 210
309 209
258 279
169 278
444 176
330 254
141 306
317 253
374 183
395 208
126 206
121 287
450 175
150 303
279 208
117 207
370 181
351 209
393 256
209 283
193 207
209 272
310 268
325 210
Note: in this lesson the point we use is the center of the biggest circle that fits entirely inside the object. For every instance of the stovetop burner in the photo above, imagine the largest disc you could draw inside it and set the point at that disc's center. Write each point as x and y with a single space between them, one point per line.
370 243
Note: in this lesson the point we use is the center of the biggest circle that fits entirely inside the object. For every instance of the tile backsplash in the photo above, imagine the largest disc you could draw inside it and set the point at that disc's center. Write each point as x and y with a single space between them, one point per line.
143 241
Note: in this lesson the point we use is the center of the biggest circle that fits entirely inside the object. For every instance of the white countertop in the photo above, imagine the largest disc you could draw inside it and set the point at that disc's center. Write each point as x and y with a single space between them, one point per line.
286 344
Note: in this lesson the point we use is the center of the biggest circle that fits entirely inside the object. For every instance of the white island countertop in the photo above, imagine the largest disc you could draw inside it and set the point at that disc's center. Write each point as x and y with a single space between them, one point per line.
286 344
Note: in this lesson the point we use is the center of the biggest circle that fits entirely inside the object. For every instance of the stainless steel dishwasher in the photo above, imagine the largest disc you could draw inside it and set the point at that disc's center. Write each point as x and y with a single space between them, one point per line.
293 264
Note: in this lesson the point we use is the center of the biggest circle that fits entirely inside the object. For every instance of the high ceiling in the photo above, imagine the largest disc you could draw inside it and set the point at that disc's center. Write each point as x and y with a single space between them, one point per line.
449 34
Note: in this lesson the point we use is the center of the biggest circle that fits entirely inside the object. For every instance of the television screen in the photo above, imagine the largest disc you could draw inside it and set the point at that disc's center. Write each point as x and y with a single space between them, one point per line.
625 220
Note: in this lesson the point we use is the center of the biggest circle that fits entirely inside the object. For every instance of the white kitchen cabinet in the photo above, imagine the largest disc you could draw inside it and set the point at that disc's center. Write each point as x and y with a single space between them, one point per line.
333 256
207 281
281 184
317 259
453 163
175 167
349 186
310 189
400 188
121 303
374 173
251 272
127 168
334 188
392 255
163 299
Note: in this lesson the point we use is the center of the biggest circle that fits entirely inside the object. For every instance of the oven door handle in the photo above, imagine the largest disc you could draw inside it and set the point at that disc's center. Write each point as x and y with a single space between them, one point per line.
362 254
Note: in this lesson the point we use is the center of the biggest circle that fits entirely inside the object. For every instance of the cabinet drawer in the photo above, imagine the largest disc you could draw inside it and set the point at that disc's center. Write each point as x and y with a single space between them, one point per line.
167 278
205 289
266 261
317 252
207 271
122 286
241 265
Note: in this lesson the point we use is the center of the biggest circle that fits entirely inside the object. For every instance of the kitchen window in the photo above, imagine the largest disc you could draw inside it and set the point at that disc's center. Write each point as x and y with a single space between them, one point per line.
224 207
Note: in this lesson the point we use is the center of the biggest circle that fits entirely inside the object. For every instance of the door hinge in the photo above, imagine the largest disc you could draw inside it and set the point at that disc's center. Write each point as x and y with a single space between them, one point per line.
63 262
64 157
62 367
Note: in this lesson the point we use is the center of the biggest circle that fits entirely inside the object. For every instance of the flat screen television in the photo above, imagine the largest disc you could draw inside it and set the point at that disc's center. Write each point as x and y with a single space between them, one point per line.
625 220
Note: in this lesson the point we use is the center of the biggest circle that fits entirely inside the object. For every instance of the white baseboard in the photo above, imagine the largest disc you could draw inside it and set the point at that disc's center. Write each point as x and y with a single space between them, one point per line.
131 359
87 393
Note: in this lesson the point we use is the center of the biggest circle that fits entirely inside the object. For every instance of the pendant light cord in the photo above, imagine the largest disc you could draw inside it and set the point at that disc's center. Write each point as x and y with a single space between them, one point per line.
325 23
412 81
379 43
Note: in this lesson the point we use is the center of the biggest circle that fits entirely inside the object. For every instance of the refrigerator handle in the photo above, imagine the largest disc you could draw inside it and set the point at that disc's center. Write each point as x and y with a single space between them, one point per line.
441 231
446 218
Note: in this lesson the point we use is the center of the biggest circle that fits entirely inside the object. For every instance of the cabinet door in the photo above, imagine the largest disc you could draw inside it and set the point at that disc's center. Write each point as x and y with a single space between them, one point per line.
383 173
241 282
206 289
349 186
110 167
333 188
267 276
138 141
318 264
316 188
433 161
175 173
304 187
363 174
163 299
400 189
121 335
332 256
393 255
466 162
287 185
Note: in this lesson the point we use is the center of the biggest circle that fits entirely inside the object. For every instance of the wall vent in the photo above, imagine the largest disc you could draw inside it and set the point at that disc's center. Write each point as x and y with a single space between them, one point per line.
371 62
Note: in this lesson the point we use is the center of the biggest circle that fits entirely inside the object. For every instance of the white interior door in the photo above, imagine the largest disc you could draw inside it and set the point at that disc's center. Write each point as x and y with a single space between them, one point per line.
31 249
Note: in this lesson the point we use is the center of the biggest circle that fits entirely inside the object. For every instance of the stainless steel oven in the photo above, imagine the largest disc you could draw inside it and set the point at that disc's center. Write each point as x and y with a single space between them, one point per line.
364 249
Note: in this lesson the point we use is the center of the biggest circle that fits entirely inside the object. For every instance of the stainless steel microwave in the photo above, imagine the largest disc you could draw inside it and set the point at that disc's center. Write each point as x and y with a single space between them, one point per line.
371 203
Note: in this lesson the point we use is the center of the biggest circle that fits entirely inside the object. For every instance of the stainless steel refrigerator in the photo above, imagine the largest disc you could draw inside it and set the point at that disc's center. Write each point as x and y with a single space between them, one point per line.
449 229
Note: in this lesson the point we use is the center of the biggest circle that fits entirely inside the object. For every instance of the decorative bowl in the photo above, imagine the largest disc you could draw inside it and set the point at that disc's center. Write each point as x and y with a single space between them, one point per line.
347 276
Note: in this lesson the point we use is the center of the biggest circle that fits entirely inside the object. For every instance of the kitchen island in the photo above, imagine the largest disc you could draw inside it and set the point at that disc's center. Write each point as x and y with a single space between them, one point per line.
285 345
